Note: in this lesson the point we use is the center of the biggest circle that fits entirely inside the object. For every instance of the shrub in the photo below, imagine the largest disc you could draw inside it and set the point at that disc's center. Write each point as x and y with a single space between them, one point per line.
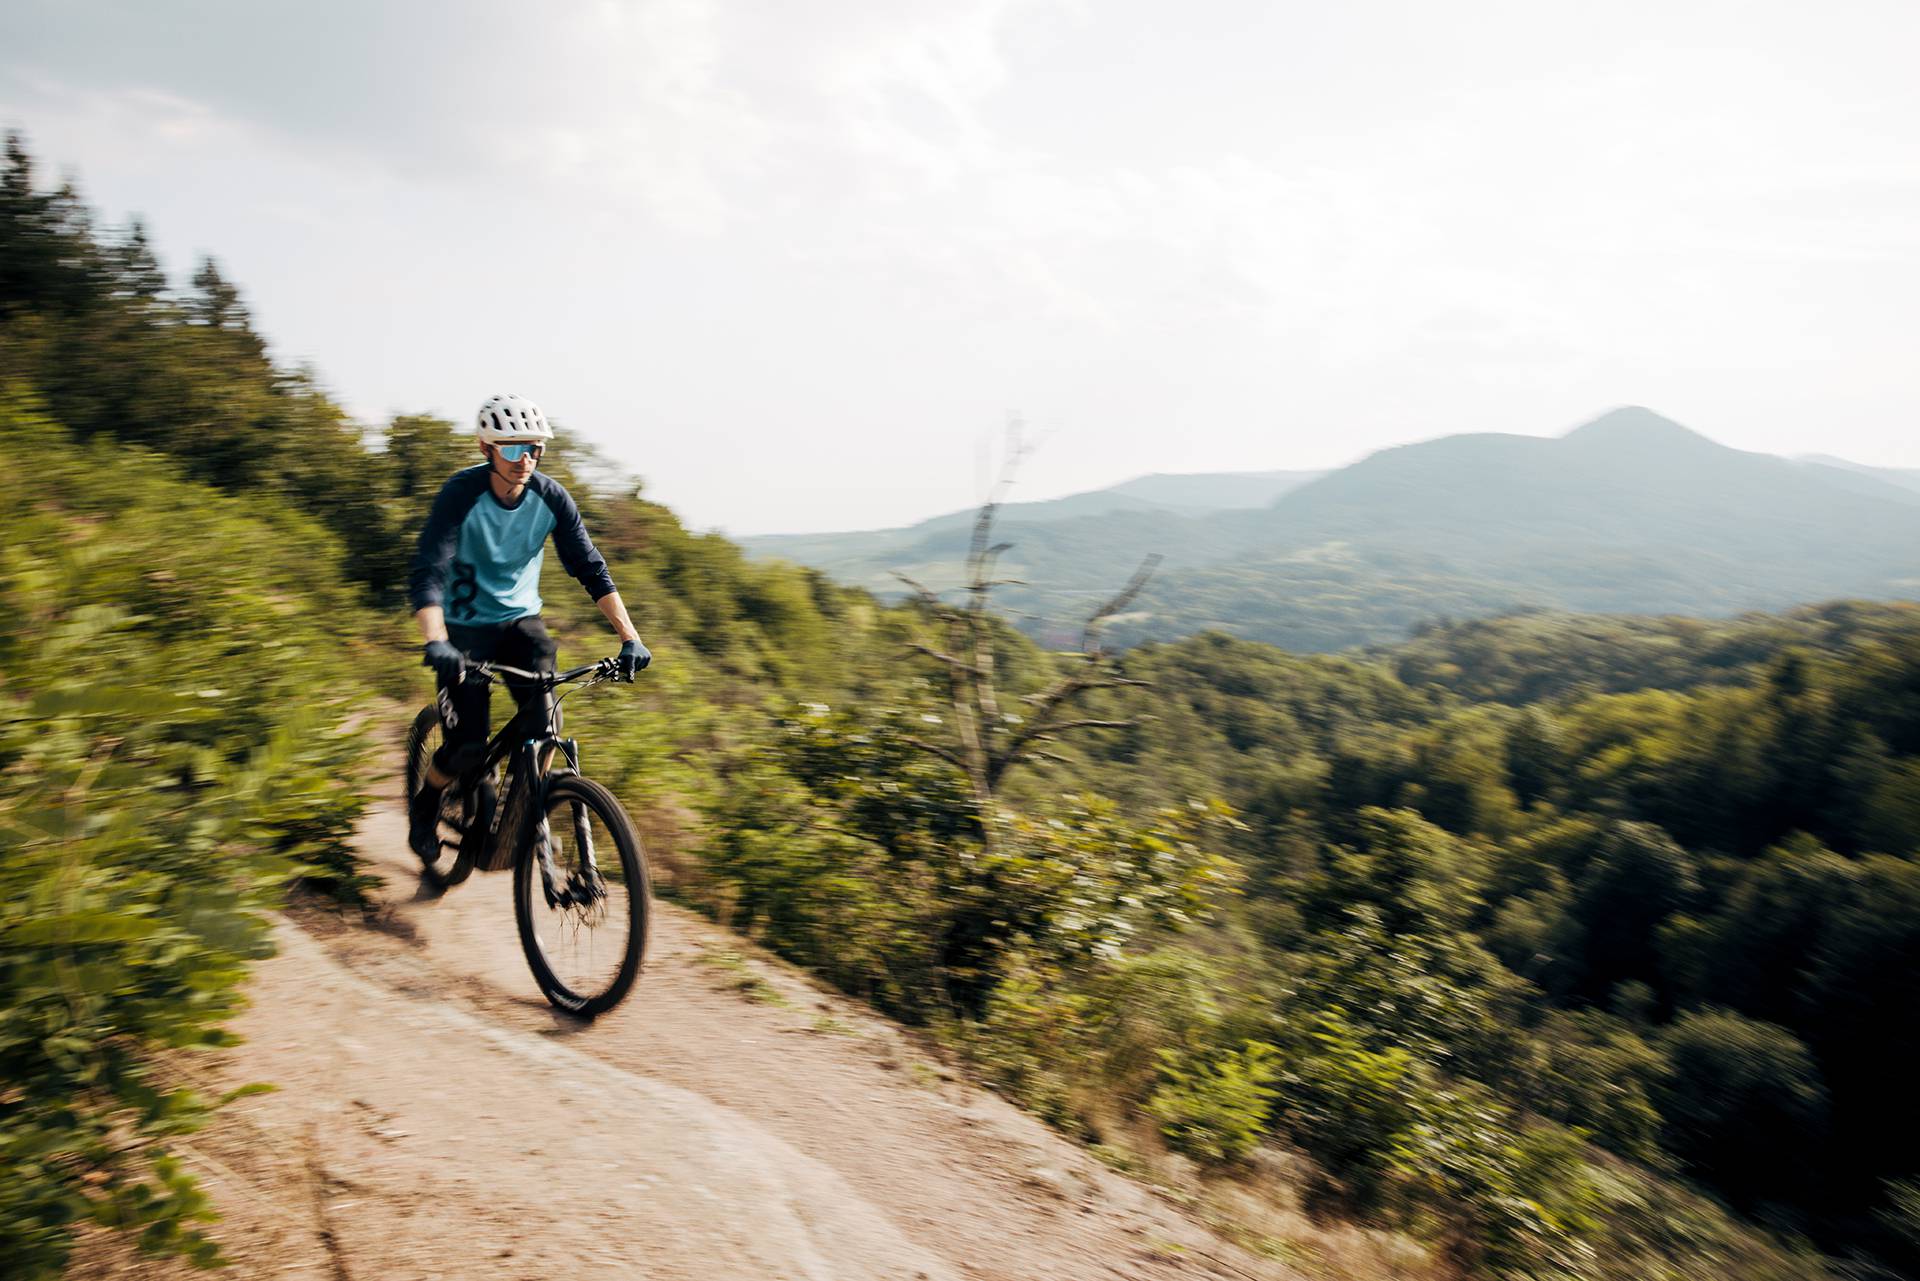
1743 1102
1213 1107
167 761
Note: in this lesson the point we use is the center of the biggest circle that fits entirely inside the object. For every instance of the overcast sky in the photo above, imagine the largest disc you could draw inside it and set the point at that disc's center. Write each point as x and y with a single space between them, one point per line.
795 263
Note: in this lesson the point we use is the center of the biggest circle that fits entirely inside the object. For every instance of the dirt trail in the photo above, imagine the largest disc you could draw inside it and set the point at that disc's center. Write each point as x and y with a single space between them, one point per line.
434 1118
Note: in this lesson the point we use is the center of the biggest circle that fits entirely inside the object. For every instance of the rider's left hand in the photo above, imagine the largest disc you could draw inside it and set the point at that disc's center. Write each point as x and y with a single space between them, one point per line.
633 658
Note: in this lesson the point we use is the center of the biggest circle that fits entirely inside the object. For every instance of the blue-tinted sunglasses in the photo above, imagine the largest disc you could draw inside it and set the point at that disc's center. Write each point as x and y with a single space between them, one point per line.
514 453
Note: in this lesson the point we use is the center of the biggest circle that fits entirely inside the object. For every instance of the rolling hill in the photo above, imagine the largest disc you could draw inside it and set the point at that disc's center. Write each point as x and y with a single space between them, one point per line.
870 557
1630 512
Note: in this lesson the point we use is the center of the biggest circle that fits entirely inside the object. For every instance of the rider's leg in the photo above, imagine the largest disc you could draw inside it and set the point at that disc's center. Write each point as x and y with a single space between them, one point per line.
525 642
465 712
471 701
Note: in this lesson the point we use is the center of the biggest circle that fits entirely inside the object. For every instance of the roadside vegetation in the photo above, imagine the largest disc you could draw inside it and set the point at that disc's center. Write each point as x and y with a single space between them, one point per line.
1567 947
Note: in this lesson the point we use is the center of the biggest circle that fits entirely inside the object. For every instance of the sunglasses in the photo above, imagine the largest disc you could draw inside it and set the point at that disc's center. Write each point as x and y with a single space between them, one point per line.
514 453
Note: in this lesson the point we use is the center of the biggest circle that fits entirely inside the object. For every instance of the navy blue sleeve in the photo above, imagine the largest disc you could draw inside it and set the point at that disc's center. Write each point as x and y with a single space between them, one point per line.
441 536
577 552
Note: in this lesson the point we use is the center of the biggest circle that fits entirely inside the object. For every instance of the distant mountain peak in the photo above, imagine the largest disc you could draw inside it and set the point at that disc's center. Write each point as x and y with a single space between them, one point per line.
1635 426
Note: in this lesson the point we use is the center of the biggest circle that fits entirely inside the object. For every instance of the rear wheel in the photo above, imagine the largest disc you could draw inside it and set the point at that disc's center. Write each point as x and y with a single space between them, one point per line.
586 941
447 863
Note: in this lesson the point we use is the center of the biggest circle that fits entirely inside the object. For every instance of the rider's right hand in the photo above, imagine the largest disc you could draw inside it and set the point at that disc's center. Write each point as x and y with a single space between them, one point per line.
446 661
633 657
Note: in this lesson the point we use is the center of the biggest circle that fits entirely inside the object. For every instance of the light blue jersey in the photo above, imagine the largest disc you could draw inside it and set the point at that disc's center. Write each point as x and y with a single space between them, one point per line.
480 559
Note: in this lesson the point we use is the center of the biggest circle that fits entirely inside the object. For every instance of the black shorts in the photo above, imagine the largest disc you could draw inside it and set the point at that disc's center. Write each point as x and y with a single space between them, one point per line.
524 643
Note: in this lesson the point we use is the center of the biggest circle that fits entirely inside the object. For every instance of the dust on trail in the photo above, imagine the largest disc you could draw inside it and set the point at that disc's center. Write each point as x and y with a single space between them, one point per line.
436 1118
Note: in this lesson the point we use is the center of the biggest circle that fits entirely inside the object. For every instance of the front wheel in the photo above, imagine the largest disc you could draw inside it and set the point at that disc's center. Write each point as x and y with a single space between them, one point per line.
585 929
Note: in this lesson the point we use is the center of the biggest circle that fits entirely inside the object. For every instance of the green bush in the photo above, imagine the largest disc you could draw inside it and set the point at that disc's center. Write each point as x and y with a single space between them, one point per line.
1508 1199
174 672
1744 1103
1214 1108
1350 1107
849 850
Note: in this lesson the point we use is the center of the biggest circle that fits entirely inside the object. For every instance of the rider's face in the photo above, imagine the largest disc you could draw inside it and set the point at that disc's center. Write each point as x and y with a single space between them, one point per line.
517 472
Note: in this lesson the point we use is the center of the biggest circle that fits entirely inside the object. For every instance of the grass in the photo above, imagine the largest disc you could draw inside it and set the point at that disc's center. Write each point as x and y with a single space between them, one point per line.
827 1025
736 974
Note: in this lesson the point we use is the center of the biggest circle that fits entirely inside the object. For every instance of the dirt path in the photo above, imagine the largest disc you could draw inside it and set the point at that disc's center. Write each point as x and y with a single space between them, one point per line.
434 1118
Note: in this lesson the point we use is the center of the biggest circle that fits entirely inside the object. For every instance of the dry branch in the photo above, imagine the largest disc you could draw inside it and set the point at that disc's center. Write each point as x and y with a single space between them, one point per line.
989 743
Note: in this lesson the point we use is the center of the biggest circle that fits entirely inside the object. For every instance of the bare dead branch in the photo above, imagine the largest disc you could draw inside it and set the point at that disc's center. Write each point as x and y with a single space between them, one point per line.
931 598
1117 602
948 659
987 743
945 754
1040 731
982 530
1061 727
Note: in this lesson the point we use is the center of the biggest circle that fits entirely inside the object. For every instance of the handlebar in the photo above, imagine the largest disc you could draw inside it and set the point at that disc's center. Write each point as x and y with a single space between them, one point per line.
599 670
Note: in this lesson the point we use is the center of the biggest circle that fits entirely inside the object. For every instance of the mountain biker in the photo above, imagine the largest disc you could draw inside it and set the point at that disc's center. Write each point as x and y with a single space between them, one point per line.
475 587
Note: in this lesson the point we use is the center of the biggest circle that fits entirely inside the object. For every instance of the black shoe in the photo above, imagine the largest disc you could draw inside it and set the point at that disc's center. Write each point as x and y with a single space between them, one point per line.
423 822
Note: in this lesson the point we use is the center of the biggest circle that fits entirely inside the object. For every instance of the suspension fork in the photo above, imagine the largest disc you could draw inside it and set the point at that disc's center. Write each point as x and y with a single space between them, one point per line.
563 889
582 829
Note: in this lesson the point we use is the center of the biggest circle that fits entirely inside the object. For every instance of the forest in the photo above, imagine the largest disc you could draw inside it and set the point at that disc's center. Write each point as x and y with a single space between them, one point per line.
1570 946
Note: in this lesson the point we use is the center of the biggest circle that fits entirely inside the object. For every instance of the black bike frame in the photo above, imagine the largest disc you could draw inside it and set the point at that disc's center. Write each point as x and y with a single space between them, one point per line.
530 736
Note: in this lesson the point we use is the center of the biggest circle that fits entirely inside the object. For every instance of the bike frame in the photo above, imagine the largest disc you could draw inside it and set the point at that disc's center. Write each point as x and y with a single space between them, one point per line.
530 737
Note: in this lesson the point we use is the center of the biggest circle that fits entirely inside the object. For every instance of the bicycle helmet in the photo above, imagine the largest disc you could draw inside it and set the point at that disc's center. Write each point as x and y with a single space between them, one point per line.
511 417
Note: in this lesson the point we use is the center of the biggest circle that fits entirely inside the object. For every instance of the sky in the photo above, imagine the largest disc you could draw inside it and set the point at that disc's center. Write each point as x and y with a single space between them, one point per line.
797 265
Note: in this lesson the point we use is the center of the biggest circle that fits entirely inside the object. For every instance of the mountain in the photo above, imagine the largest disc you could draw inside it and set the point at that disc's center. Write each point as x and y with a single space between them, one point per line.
1201 492
1631 512
1904 477
1050 536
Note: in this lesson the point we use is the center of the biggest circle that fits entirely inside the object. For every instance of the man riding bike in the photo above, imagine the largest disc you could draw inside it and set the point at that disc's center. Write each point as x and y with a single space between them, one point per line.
475 587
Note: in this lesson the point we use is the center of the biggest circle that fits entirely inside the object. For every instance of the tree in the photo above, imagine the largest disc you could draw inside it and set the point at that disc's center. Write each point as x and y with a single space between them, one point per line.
1639 879
990 740
422 451
1745 1105
137 273
215 303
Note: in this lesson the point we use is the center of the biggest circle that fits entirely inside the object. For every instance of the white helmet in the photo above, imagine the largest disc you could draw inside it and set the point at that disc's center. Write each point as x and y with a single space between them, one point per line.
510 417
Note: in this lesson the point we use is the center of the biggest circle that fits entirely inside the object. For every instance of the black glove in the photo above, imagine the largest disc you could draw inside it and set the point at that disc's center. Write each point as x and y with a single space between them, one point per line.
446 661
633 658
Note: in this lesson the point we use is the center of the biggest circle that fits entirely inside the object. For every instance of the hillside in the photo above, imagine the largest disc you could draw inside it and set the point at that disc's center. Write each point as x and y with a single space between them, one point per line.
1628 513
1559 947
1904 477
643 1145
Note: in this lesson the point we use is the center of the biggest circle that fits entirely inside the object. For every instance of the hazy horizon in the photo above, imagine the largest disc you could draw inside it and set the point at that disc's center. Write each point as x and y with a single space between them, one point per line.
796 269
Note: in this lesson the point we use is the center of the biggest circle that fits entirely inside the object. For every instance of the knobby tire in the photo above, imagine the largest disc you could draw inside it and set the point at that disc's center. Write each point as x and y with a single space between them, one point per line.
528 894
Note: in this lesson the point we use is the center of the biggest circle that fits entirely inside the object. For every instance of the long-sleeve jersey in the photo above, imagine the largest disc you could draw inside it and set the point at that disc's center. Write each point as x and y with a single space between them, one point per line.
480 559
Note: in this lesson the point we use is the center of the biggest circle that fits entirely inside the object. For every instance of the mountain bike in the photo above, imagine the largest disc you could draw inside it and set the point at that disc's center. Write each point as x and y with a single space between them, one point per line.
580 887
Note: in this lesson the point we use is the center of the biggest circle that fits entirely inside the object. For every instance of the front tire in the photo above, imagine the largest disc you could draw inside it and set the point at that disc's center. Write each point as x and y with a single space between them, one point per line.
586 955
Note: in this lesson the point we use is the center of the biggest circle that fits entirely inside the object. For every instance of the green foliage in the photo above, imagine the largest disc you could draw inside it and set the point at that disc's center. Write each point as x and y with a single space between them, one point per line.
1511 1199
843 845
1592 1072
1214 1109
1348 1106
169 757
1744 1104
87 324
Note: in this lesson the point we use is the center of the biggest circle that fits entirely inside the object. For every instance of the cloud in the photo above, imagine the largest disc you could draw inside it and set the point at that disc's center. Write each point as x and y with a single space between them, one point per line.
764 220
